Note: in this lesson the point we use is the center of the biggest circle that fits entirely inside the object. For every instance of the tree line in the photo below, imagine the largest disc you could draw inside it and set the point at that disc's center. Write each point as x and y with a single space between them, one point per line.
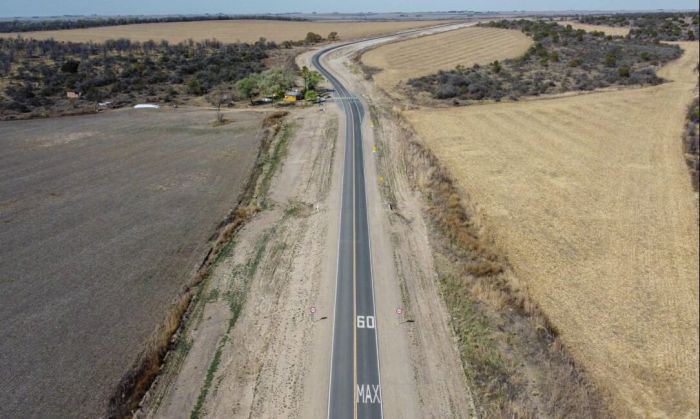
651 26
27 25
39 73
561 59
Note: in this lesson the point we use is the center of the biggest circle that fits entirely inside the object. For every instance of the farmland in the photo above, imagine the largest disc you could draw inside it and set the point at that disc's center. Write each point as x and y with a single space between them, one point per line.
104 220
226 31
421 56
609 30
589 198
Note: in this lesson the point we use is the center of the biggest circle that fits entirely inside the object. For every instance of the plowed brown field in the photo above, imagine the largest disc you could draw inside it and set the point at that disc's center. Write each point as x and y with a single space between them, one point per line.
227 31
590 199
404 60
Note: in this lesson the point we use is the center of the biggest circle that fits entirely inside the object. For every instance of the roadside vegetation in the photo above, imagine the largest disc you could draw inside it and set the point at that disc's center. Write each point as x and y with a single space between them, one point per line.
30 25
651 26
691 143
562 59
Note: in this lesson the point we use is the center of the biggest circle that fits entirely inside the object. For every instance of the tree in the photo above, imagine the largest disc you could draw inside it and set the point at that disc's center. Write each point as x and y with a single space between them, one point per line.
311 78
70 66
248 86
194 87
311 95
333 36
624 71
313 38
275 81
610 59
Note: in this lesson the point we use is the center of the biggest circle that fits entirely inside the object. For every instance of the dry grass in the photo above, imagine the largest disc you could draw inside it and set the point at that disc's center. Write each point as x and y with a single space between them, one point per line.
609 30
227 31
589 198
404 60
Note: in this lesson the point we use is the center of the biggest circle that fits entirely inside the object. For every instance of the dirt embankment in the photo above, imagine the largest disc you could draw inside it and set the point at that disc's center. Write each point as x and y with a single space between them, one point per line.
250 346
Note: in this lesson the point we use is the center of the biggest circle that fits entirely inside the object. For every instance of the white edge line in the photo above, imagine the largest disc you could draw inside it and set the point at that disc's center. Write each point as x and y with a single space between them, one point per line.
337 267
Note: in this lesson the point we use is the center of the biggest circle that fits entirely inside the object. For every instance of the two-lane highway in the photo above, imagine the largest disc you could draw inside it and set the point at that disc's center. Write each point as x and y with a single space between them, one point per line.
355 384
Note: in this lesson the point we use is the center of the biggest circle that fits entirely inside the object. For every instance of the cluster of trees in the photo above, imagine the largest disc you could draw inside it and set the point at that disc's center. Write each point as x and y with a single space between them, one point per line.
26 25
275 82
561 59
652 26
310 39
40 72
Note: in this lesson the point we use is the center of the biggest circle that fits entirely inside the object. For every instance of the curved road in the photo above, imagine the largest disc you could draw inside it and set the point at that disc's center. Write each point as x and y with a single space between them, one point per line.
355 384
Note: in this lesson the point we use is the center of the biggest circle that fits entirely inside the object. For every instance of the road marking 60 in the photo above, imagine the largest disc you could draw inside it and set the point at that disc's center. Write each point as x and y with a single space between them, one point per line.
365 322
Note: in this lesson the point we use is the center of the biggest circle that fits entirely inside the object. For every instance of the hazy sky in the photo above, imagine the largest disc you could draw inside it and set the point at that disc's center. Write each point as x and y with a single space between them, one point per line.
112 7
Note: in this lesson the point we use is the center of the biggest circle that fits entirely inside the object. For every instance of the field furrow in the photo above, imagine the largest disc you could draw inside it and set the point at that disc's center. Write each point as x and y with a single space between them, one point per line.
589 197
421 56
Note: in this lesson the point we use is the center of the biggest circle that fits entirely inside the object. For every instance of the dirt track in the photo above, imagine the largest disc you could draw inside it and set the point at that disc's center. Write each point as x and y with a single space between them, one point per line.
104 218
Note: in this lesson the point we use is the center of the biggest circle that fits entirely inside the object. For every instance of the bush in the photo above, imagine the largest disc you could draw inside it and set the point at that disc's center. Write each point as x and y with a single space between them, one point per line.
70 66
313 38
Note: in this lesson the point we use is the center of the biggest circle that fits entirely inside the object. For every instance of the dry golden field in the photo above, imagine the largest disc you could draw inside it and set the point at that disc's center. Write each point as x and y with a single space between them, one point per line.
610 30
590 199
417 57
227 31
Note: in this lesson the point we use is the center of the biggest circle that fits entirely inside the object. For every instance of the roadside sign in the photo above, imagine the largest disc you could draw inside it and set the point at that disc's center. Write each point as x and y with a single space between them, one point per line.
399 311
312 310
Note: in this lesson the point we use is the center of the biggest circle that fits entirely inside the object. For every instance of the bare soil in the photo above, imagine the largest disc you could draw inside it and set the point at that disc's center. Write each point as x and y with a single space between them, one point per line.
105 219
589 199
227 31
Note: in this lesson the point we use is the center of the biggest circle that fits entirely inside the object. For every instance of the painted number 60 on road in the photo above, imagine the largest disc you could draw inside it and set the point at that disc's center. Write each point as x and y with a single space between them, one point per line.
365 322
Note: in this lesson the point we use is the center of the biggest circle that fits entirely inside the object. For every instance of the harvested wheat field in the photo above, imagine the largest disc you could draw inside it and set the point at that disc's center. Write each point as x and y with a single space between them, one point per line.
226 30
404 60
590 199
609 30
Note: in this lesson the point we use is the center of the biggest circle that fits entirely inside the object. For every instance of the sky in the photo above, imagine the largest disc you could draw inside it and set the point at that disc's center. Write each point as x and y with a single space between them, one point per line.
10 8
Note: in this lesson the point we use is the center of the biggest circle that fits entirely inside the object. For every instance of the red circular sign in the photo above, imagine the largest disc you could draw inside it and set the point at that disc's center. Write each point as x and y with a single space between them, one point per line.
399 310
312 310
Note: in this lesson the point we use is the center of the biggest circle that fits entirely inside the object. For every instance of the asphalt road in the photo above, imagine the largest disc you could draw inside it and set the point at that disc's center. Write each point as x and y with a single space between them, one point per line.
355 384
